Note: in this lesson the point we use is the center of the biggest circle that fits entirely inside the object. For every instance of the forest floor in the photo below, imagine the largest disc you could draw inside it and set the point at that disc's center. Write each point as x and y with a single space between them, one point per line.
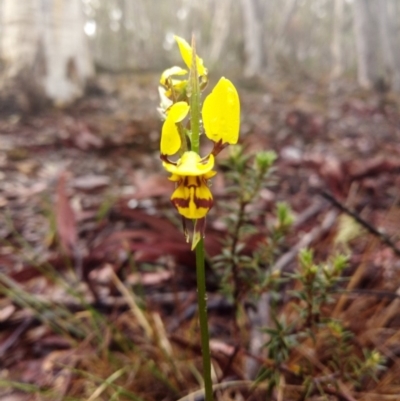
85 218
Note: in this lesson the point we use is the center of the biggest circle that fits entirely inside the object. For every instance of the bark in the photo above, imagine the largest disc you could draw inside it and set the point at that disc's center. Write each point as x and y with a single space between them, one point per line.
144 39
278 43
288 13
389 29
367 42
100 39
219 29
395 37
44 49
336 47
109 36
252 39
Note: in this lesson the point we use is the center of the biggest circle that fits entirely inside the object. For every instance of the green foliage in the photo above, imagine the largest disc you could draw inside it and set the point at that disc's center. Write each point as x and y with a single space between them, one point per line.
128 355
316 284
304 321
240 272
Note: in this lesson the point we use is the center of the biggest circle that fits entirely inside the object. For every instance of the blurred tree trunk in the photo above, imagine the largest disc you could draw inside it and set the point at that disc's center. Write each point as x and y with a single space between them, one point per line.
394 27
336 47
278 44
102 35
219 29
44 51
389 34
253 43
142 35
289 10
366 27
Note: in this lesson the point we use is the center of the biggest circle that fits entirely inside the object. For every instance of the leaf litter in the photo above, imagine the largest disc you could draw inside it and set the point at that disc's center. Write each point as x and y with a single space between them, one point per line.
97 282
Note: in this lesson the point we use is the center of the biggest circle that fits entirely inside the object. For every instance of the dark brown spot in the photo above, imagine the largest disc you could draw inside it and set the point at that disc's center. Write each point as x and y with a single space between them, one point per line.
200 226
202 202
180 202
165 159
218 147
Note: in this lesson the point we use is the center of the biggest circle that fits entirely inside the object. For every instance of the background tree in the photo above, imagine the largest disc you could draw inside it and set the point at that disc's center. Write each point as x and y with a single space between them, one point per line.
220 28
318 39
366 28
44 52
252 38
336 45
389 29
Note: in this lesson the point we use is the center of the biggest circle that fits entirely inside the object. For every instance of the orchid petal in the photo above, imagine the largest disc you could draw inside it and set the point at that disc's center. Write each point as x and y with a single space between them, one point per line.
198 233
170 137
191 164
168 73
192 198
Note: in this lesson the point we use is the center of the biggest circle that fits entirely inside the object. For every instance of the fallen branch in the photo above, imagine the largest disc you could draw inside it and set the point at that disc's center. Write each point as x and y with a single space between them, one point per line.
373 230
306 241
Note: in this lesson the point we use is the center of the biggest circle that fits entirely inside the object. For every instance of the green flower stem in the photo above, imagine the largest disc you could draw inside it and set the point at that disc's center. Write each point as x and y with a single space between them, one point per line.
202 304
184 146
194 102
200 266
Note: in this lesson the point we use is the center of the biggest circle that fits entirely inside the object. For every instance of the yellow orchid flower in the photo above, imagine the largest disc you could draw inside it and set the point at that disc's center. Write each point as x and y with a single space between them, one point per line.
221 113
175 89
186 53
165 102
192 198
190 164
170 72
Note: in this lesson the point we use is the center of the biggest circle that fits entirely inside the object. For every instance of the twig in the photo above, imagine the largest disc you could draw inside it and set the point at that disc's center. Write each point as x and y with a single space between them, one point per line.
15 336
313 210
373 230
306 241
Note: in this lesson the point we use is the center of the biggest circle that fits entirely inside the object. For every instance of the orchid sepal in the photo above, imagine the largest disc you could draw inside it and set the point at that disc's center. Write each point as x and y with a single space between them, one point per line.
186 53
221 113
